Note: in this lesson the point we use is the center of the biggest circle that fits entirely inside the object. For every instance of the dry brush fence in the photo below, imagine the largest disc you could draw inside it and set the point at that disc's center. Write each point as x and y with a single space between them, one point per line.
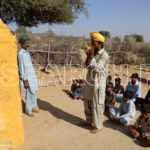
42 57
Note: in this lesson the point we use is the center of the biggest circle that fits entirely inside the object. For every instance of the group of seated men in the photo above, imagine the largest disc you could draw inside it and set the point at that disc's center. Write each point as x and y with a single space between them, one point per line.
126 112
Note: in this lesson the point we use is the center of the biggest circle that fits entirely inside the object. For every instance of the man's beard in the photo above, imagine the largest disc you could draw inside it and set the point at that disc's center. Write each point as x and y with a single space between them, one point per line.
133 82
95 52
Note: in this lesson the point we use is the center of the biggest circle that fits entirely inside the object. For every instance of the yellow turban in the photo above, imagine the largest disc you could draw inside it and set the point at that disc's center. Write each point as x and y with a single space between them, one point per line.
96 36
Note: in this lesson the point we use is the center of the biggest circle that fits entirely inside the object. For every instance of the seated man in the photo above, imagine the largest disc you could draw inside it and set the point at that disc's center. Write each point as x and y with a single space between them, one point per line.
147 98
141 129
118 89
47 69
139 101
108 81
126 112
110 97
134 86
78 92
74 86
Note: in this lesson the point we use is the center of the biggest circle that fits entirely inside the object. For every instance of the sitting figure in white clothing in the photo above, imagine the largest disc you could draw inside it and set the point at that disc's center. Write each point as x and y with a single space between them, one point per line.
126 112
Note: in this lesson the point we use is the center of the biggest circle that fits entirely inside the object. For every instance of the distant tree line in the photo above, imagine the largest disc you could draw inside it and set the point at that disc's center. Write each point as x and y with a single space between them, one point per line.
130 50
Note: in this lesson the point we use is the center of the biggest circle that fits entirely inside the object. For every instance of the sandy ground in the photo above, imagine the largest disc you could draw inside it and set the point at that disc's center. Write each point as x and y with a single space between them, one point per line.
56 126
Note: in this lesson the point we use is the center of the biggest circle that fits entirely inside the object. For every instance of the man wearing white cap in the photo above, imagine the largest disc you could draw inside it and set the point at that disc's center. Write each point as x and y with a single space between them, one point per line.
94 90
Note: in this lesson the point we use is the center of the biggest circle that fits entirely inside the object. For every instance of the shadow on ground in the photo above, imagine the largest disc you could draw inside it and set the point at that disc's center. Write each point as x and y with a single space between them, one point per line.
122 128
60 114
66 91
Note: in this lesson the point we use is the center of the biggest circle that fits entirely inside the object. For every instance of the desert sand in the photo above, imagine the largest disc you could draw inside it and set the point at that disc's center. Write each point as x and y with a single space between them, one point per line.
56 126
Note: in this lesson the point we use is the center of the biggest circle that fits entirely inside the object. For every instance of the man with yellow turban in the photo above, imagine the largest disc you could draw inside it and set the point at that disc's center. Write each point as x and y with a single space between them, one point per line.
94 90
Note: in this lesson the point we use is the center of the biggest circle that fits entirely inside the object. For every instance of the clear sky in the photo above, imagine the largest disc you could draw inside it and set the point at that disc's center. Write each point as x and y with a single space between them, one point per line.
119 17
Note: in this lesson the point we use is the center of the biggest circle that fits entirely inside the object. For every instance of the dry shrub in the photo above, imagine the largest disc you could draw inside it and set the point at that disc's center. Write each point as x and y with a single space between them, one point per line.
66 48
128 51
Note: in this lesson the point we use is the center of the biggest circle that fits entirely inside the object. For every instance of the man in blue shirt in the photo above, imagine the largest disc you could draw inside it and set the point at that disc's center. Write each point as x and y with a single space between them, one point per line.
28 79
109 81
134 86
78 92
